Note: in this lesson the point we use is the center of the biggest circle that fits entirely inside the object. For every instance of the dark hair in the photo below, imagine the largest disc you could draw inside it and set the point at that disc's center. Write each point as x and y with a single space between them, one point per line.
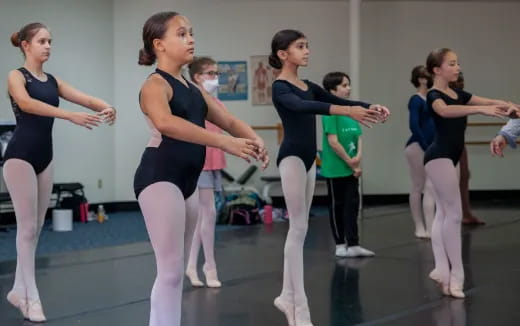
436 58
198 64
333 79
26 34
281 41
420 72
154 28
459 83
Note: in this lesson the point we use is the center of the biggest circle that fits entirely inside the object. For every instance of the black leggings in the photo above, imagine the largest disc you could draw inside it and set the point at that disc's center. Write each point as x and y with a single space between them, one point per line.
344 207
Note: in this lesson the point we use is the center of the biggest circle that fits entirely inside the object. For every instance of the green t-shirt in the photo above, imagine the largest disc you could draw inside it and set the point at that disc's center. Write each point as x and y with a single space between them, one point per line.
348 132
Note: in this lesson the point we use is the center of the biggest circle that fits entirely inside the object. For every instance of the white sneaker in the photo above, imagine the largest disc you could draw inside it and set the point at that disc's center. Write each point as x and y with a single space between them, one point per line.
358 251
341 251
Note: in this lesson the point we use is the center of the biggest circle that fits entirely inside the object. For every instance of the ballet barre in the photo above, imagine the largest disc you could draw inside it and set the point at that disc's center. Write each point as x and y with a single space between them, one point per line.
278 127
483 124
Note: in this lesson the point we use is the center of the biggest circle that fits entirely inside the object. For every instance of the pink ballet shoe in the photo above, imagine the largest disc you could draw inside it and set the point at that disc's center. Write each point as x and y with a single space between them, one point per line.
17 302
287 308
194 278
302 316
435 277
35 312
212 278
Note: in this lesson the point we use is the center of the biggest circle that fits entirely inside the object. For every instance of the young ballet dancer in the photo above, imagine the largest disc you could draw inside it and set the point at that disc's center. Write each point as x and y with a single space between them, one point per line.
422 201
297 102
204 73
341 165
28 167
165 182
450 108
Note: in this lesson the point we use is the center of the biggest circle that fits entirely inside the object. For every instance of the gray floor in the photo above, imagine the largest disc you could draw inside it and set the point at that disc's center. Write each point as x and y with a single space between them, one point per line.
110 286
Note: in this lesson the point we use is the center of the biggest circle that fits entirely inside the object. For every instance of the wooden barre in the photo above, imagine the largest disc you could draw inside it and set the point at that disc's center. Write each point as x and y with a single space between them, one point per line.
485 124
480 142
278 127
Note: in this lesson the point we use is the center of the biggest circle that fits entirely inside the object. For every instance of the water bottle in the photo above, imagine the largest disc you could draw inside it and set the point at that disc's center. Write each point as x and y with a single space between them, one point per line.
101 214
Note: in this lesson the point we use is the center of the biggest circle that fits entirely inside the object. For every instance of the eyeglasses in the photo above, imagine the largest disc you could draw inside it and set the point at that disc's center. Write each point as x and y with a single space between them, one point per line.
211 73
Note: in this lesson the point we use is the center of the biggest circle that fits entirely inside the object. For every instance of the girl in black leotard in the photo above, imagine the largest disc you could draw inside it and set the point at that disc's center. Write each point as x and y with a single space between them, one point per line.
297 102
27 170
450 108
166 180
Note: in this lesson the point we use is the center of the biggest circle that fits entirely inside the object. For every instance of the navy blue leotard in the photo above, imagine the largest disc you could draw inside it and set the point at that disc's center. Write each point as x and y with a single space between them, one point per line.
32 137
421 122
449 132
297 109
175 161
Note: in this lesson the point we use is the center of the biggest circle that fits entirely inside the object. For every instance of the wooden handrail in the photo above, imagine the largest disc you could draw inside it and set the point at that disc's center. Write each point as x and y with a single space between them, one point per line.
481 142
278 127
485 124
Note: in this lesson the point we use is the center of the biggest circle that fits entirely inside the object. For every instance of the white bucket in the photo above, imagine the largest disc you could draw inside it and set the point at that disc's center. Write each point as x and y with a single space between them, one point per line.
62 220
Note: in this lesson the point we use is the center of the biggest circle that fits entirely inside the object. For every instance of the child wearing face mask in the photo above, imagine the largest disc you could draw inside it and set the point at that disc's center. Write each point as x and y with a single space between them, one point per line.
203 72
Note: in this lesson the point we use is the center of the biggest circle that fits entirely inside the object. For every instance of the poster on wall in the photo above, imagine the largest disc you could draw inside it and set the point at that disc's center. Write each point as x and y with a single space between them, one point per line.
263 77
232 80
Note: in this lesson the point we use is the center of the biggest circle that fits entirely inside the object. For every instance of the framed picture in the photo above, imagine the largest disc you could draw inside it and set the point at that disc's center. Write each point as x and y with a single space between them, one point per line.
232 80
263 77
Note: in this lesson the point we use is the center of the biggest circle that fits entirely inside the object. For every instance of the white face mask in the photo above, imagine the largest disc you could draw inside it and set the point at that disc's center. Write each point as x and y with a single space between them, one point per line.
210 85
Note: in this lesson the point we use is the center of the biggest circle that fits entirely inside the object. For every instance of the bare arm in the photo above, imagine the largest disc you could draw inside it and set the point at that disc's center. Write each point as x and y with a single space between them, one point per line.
236 127
155 95
359 149
338 149
16 88
95 104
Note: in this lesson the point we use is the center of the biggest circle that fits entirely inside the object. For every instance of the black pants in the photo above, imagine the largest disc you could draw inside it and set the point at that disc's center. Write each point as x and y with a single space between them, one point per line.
344 207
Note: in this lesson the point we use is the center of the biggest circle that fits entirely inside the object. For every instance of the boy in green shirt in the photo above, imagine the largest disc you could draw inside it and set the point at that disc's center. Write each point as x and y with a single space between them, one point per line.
341 165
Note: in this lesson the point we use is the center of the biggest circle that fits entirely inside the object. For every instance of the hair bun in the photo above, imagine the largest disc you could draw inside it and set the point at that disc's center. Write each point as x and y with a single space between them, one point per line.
15 39
145 58
274 61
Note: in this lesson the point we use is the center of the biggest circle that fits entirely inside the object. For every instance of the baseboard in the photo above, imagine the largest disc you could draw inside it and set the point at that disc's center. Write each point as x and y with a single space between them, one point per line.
478 197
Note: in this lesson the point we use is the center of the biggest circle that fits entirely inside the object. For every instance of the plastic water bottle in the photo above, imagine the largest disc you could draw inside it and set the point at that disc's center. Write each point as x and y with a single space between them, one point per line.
268 214
101 214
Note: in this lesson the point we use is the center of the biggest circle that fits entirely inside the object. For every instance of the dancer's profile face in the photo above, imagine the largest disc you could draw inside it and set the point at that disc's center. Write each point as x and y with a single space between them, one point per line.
298 52
178 44
449 69
39 47
343 89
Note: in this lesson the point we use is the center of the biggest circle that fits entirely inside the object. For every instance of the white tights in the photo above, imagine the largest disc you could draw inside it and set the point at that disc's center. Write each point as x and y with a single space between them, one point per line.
170 221
30 194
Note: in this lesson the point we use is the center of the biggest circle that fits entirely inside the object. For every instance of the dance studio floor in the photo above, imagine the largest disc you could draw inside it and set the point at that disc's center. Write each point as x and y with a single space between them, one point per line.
110 286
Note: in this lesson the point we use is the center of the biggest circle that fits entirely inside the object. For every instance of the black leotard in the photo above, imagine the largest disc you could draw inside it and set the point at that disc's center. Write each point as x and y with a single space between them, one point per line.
175 161
32 138
449 132
297 109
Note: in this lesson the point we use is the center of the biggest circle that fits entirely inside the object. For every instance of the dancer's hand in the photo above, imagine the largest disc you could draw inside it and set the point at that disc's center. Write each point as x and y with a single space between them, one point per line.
382 110
513 111
108 115
263 155
83 119
366 117
358 172
498 111
497 146
241 147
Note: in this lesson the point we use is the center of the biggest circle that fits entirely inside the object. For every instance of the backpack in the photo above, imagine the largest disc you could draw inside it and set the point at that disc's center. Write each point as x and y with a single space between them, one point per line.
241 209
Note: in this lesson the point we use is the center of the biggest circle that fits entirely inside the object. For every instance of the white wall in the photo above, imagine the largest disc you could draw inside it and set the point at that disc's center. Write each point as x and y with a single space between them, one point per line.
226 30
82 56
96 46
397 35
